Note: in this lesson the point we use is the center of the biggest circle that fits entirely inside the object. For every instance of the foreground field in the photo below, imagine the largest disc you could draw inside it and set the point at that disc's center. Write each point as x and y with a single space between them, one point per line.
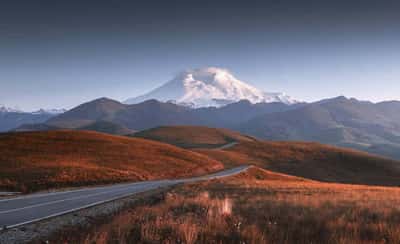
255 207
33 161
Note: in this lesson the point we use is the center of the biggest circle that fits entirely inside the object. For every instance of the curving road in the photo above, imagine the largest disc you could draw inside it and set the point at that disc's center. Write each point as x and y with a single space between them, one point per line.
227 146
31 208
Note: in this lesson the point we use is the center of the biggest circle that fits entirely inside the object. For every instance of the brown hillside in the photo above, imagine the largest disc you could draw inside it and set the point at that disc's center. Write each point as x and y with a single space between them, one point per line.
256 174
313 161
192 136
310 160
39 160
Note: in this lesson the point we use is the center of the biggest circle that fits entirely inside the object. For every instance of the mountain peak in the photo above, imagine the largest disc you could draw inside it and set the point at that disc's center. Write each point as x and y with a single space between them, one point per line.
4 109
209 75
50 111
104 100
207 87
343 99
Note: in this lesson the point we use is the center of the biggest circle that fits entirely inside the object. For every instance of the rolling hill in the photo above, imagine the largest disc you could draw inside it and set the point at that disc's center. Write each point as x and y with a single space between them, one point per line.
31 161
313 161
366 126
304 159
192 136
107 127
98 125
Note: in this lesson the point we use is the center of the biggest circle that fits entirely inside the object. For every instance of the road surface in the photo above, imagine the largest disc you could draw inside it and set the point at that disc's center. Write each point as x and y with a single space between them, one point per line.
30 208
229 145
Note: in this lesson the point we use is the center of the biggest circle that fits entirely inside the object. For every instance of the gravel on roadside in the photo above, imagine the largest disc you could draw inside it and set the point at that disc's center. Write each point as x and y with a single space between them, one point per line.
43 231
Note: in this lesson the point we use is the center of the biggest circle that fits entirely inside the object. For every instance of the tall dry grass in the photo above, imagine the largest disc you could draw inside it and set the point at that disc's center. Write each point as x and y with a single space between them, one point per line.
260 207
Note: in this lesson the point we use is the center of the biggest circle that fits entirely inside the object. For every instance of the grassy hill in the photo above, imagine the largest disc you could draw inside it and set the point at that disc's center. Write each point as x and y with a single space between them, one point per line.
32 161
107 127
310 160
313 161
192 136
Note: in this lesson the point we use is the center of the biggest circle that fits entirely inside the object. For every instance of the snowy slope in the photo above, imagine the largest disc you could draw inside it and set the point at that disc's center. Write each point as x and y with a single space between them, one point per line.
50 111
4 109
209 87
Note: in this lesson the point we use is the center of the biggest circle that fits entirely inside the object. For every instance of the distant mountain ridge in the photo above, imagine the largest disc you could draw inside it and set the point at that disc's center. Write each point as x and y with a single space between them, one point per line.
140 116
372 127
5 109
209 87
153 113
11 118
50 111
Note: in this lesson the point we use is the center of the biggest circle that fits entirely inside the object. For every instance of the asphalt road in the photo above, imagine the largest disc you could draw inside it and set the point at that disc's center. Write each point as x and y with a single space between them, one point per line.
30 208
229 145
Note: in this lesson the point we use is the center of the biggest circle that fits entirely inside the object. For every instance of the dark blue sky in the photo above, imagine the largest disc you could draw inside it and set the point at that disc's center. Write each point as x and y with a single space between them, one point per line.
63 53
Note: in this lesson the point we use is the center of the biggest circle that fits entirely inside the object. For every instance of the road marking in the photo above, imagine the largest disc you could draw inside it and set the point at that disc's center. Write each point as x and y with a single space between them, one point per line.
147 186
38 195
62 200
229 145
74 209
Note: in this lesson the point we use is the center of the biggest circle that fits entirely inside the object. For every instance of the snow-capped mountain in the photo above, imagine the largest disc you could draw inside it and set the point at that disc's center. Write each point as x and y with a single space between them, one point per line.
50 111
208 87
12 118
4 109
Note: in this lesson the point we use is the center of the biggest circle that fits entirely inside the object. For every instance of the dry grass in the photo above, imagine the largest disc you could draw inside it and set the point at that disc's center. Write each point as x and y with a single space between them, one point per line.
310 160
259 207
33 161
313 161
192 136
